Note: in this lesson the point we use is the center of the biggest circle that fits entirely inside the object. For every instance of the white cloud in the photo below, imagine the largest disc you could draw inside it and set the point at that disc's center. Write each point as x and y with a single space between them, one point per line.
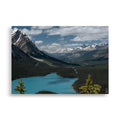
39 42
31 31
57 48
35 30
81 33
51 48
55 44
73 45
41 27
91 36
63 31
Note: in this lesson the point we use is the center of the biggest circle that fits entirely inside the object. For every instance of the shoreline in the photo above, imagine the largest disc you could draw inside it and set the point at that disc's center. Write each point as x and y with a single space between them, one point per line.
42 76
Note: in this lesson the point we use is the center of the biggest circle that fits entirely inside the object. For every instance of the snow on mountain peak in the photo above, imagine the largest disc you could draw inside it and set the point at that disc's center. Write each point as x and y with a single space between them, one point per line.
81 48
13 31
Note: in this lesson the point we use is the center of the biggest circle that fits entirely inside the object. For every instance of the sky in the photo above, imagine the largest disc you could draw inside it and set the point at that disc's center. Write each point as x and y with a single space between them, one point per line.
55 39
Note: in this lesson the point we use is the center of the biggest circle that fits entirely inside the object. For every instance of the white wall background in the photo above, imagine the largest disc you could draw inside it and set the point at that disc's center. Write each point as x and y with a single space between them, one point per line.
60 12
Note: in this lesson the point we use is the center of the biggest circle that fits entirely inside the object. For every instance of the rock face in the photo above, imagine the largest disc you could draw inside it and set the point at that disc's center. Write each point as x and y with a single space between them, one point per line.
23 42
19 56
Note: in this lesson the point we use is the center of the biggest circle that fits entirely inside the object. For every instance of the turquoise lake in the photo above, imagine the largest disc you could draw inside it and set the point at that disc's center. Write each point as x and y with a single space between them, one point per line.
51 82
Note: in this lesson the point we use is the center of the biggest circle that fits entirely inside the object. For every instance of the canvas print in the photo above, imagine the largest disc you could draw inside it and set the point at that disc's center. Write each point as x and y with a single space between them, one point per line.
59 59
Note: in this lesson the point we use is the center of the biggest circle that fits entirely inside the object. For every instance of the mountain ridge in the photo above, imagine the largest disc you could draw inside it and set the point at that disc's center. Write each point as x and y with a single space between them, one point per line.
98 54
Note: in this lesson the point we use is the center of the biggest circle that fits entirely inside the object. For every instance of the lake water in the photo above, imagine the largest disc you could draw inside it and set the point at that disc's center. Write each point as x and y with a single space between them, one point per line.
51 82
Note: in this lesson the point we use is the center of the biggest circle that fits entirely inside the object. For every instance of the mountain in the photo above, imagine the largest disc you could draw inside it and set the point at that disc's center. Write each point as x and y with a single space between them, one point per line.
24 66
23 42
85 55
20 57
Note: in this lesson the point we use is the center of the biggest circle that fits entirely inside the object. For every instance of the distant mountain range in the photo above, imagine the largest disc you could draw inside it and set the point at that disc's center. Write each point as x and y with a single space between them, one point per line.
85 55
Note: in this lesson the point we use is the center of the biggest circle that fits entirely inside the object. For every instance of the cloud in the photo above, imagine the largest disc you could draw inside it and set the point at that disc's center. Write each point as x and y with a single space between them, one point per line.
91 37
31 31
57 48
73 45
63 31
55 44
51 48
39 42
41 27
35 30
81 33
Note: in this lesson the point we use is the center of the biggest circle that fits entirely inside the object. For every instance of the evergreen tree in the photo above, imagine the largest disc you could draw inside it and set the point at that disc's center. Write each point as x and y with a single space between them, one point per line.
90 88
20 88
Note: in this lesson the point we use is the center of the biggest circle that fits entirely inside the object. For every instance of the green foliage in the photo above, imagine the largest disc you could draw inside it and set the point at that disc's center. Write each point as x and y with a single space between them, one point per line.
20 88
90 88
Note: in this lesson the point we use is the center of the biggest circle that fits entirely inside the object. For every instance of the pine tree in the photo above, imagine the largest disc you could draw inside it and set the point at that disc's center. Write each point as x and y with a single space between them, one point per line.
21 87
90 88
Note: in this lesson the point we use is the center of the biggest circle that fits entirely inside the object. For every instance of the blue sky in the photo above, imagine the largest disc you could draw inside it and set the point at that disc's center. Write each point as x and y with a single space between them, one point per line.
57 38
